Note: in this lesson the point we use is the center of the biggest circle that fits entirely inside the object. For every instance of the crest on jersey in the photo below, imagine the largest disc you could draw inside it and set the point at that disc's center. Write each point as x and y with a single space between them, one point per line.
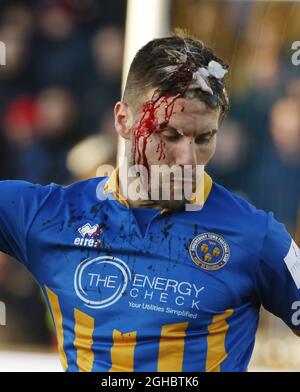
209 251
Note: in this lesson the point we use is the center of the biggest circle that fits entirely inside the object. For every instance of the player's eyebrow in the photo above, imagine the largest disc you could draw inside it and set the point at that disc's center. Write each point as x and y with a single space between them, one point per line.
163 128
179 131
210 132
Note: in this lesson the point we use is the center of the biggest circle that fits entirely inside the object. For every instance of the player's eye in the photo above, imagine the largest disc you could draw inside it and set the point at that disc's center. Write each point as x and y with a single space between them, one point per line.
204 139
170 135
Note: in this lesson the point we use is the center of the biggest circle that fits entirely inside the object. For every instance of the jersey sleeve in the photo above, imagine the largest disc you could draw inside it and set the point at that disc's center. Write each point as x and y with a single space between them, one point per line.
20 202
278 274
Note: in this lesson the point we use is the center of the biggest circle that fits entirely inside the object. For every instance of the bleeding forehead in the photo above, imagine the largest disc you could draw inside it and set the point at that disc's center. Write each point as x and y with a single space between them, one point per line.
189 114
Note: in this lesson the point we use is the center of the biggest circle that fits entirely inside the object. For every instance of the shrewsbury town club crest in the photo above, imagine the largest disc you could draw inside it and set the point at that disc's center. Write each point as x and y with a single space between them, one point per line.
209 251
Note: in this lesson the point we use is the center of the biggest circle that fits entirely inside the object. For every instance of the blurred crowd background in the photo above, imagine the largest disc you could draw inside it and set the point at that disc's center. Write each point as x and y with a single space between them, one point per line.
57 91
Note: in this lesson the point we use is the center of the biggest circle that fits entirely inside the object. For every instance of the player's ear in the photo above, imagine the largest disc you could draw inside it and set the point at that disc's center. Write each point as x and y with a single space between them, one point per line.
123 119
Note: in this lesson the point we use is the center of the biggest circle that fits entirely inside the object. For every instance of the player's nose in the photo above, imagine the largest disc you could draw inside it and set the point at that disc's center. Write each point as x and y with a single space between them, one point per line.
186 153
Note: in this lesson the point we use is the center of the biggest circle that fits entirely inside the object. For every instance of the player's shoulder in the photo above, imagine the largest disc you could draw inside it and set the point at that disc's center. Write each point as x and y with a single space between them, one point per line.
237 208
21 190
91 189
260 228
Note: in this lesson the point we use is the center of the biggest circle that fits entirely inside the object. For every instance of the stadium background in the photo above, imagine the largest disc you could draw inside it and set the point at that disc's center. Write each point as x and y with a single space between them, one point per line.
57 90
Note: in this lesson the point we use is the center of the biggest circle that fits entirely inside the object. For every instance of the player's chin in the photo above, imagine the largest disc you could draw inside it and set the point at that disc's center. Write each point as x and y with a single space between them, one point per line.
174 202
172 197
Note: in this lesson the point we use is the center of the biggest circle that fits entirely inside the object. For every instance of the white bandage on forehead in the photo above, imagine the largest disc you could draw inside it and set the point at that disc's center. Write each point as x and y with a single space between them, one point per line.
214 69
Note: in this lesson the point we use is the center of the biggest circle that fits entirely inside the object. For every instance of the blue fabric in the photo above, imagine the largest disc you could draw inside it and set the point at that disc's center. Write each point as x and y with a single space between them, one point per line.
143 217
190 274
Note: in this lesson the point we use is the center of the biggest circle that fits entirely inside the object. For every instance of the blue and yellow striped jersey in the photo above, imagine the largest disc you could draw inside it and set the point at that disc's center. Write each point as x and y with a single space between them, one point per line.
185 296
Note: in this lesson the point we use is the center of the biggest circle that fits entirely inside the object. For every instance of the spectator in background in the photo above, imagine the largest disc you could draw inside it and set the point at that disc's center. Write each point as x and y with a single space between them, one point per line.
58 130
230 161
60 46
16 77
41 130
18 16
19 131
102 84
274 179
261 67
86 157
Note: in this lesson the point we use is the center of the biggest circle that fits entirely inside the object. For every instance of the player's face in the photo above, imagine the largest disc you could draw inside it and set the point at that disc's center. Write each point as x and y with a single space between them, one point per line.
177 133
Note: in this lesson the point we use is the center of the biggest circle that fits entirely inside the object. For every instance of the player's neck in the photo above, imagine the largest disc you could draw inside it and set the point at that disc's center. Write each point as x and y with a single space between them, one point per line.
140 202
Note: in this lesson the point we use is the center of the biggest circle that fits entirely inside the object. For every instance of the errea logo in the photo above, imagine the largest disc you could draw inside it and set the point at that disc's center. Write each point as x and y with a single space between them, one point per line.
89 236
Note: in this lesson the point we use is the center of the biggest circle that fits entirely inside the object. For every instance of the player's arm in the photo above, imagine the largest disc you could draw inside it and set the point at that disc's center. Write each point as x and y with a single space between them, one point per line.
278 275
20 202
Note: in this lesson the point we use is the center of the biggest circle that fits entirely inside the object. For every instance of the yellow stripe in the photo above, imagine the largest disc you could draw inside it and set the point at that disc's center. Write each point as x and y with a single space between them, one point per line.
84 328
202 192
112 186
171 347
207 186
122 351
216 352
55 308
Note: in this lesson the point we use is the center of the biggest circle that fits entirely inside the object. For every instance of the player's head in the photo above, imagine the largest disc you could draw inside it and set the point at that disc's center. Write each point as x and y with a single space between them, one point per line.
172 106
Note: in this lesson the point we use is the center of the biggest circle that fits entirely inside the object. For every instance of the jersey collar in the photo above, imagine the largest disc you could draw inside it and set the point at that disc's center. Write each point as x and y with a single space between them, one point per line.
112 186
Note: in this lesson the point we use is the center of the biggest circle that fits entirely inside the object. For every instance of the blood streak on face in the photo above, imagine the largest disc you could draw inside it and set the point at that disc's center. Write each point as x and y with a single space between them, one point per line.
148 124
160 149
